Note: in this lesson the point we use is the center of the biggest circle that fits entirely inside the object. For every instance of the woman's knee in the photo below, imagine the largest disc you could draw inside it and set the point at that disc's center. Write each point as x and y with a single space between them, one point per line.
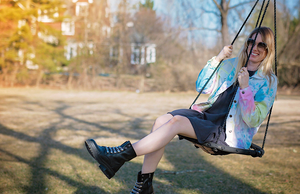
182 125
177 119
161 121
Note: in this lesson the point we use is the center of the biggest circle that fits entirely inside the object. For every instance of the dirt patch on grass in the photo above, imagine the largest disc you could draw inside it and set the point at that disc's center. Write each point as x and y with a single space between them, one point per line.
42 134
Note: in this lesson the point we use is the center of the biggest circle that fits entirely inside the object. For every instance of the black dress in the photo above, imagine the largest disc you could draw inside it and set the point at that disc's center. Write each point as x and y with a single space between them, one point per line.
207 123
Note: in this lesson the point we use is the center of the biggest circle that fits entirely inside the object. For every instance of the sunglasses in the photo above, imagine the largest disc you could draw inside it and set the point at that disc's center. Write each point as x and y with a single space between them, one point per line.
260 45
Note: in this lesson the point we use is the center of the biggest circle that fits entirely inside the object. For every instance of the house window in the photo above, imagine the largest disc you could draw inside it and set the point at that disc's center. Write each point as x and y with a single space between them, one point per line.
115 53
70 50
43 16
91 48
151 54
82 8
68 28
142 55
135 54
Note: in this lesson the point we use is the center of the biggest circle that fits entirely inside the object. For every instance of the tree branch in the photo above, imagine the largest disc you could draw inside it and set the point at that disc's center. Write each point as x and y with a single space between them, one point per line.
218 5
239 4
213 12
202 28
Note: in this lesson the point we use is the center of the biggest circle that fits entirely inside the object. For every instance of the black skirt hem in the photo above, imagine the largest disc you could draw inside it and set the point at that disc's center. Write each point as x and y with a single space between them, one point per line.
205 130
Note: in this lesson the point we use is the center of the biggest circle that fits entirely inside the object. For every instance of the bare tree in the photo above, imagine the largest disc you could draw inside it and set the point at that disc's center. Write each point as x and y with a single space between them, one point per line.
211 16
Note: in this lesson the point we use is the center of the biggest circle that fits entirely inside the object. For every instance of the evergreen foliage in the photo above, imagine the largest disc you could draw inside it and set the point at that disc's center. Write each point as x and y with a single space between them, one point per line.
27 41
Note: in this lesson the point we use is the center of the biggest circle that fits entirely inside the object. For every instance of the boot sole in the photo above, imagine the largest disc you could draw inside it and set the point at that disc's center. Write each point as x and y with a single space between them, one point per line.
91 146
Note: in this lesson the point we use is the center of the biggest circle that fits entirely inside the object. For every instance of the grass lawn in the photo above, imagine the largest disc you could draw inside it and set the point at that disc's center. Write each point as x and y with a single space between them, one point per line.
42 134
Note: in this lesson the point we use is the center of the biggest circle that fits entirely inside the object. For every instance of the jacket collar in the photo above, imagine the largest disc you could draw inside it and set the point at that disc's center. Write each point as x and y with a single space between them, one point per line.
259 74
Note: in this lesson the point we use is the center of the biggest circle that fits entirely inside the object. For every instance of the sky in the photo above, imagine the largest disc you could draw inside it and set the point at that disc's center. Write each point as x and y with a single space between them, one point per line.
208 36
159 5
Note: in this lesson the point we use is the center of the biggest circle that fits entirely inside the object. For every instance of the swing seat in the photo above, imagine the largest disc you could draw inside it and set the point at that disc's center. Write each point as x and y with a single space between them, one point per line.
254 150
216 149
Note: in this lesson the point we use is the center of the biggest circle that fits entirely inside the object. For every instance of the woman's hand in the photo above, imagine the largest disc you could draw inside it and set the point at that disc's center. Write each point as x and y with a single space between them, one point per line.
225 53
243 78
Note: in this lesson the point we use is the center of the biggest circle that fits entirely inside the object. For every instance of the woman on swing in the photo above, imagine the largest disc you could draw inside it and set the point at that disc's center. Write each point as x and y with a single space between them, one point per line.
250 106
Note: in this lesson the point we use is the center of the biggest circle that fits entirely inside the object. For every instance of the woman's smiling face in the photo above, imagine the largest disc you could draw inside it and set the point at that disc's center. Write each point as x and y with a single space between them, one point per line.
258 54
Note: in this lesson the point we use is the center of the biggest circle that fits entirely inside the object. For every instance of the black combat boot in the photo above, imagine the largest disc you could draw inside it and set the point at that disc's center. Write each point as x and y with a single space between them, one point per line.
143 184
110 158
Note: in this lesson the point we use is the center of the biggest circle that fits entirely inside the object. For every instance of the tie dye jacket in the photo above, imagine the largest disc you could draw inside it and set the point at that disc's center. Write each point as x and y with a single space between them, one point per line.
250 106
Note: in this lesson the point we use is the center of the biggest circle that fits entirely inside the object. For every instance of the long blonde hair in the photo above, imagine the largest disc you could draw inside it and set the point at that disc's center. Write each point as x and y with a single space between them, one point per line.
266 65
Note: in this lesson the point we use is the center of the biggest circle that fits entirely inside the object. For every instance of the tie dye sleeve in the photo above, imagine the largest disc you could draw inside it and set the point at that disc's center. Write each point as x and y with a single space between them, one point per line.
254 109
205 74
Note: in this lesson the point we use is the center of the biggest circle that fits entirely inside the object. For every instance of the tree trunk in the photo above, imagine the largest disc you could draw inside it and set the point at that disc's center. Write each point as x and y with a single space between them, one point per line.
224 25
14 74
69 83
39 78
224 30
4 76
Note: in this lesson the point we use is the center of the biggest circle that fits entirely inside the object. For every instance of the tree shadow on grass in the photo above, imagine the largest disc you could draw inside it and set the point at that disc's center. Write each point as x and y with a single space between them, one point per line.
194 173
45 142
191 174
37 164
178 154
283 130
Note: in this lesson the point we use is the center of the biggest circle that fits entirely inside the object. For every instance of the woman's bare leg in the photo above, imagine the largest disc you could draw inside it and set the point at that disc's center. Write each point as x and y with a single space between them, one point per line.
153 144
151 160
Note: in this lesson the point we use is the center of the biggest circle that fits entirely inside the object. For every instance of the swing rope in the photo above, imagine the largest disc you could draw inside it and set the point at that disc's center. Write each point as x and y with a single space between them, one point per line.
236 82
222 59
214 148
275 41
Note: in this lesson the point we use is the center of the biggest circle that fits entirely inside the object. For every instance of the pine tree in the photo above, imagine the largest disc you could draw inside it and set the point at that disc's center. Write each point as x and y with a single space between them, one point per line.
28 41
9 17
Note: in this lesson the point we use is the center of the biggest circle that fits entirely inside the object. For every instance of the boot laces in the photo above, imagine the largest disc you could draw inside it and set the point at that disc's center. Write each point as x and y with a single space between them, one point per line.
114 150
137 188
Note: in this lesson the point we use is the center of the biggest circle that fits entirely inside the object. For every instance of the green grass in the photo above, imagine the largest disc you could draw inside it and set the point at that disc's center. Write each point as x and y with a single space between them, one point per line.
42 134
